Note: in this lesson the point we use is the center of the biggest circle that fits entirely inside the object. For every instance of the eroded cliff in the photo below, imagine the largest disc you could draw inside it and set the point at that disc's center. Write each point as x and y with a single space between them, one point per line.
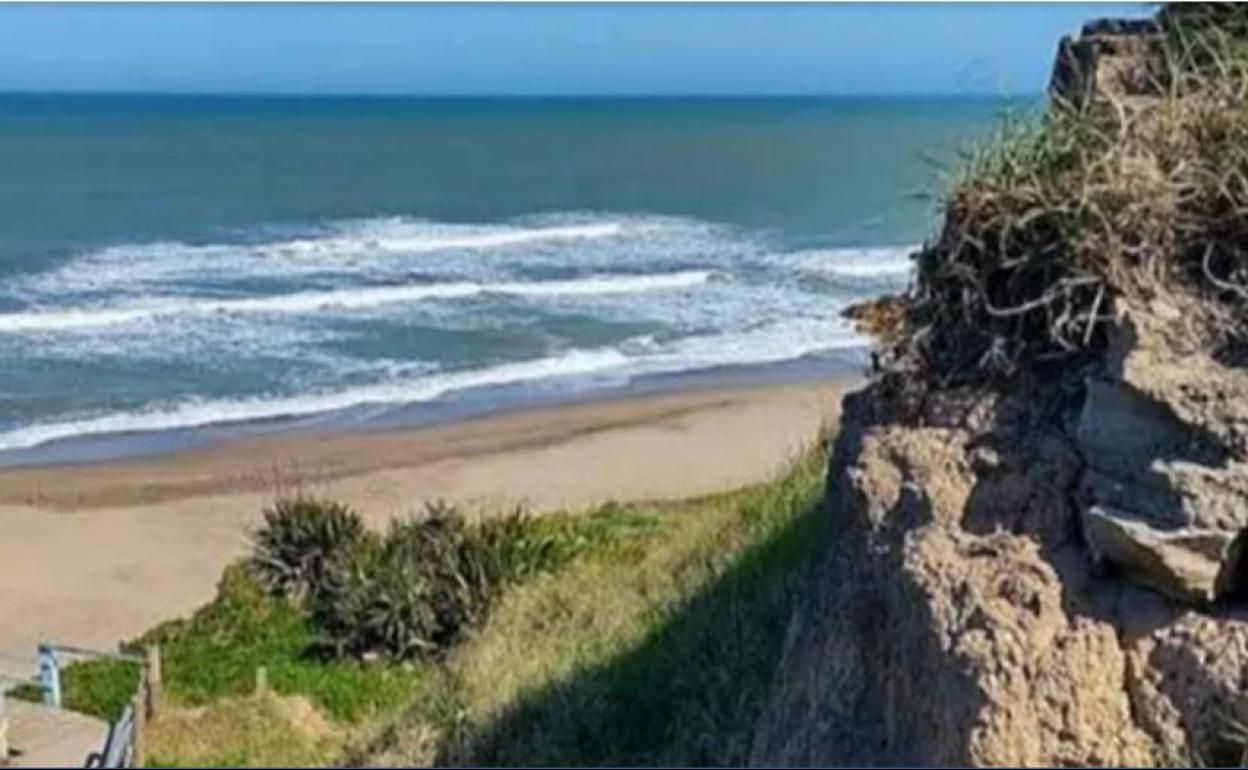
1040 502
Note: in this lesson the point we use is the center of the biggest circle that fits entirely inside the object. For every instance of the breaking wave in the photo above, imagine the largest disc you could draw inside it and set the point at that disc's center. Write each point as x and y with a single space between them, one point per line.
617 364
72 319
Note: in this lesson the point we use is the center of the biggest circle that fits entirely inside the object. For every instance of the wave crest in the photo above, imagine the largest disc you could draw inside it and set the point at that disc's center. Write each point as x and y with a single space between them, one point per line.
635 357
873 262
76 319
374 247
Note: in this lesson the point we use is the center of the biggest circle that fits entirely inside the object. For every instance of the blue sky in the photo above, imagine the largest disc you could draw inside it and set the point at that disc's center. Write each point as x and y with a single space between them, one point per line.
538 49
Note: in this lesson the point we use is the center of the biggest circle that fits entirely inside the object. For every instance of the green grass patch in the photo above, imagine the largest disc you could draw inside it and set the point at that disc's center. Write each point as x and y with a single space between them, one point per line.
658 654
214 654
99 688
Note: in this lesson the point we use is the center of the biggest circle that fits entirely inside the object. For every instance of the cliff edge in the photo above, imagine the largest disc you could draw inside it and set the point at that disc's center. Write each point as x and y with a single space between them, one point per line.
1039 504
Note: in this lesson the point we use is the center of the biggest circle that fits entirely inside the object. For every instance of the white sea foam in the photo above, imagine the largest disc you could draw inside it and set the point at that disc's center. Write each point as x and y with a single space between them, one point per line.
75 319
764 344
375 248
199 413
876 262
392 235
320 311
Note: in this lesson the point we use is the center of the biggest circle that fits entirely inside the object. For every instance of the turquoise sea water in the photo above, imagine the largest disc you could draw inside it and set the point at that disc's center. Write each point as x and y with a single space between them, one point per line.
170 264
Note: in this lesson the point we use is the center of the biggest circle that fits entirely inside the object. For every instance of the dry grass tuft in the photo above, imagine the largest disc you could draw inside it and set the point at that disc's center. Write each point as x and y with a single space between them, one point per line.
262 730
1119 198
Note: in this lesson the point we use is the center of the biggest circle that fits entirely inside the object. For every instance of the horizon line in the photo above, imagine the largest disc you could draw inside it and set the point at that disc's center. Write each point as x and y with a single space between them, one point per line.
514 96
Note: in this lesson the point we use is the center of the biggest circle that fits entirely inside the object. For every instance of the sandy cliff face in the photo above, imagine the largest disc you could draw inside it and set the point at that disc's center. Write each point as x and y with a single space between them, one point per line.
949 623
963 615
1008 587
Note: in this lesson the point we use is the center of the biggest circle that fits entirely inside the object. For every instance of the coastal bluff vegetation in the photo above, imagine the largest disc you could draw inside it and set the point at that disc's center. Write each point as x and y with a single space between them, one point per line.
1039 504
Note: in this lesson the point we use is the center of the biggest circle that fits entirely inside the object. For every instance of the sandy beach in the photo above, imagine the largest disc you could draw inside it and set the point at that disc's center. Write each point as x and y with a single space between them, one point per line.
96 553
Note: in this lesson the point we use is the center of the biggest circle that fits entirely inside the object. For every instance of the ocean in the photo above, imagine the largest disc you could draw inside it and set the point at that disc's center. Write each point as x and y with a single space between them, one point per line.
180 269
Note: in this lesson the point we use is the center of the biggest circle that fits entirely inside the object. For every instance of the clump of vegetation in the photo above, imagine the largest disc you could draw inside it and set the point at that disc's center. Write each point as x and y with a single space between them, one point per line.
1125 197
409 595
659 653
301 538
414 591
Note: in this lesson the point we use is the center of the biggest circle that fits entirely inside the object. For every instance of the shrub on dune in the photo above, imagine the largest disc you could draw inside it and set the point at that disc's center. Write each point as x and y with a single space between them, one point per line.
409 595
414 591
301 537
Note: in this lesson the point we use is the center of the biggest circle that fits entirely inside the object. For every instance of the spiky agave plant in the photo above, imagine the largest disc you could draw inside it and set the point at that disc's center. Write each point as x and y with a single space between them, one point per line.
299 540
410 595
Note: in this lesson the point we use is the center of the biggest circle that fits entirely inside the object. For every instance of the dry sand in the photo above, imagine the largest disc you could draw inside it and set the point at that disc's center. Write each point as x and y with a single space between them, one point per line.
91 554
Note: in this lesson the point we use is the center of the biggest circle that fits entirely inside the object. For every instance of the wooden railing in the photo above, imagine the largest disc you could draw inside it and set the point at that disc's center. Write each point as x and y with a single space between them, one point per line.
124 745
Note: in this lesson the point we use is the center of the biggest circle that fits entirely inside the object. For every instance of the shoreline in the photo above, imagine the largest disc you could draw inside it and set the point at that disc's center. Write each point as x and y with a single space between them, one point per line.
99 552
470 404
